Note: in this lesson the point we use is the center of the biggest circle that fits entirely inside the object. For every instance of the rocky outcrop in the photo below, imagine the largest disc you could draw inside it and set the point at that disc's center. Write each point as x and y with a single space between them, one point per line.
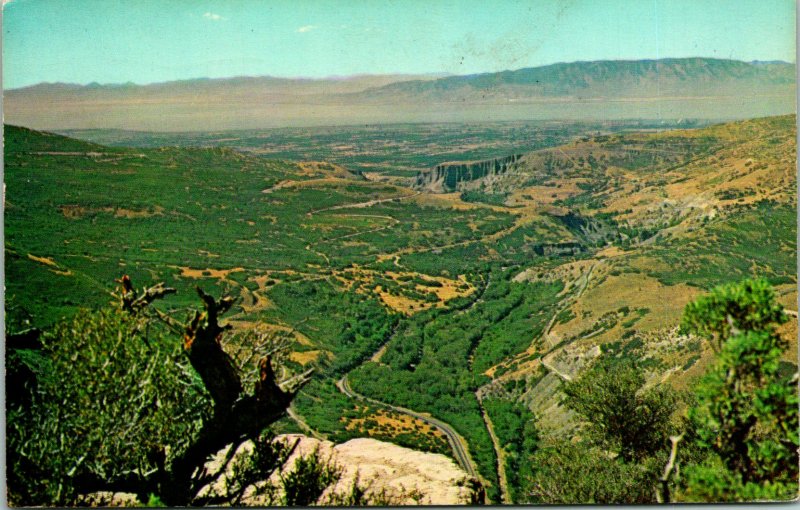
558 249
404 476
449 177
590 229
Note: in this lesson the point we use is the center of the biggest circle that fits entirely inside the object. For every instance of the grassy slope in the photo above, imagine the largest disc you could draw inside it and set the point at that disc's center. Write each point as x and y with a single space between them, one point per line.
80 215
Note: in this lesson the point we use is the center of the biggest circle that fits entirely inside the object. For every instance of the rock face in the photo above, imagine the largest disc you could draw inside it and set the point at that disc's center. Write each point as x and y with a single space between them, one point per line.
590 230
449 177
558 249
426 478
408 477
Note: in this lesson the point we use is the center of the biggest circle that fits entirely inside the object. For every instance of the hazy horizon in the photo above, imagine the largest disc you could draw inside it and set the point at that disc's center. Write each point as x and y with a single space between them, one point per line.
430 75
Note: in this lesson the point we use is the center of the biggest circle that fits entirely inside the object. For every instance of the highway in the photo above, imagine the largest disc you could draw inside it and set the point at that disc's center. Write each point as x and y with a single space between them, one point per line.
456 441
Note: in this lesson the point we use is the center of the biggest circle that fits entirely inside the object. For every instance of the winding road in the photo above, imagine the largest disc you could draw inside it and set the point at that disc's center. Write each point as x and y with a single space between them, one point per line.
359 205
457 443
567 303
302 423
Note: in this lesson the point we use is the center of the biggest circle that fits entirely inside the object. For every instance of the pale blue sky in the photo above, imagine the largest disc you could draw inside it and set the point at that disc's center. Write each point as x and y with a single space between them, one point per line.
145 41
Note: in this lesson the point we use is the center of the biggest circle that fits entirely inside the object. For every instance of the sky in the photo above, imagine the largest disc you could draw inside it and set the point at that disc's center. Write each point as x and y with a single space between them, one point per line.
147 41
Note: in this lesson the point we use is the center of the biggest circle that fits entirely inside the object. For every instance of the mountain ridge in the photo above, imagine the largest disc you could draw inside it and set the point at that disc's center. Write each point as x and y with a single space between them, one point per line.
566 78
395 77
356 80
698 88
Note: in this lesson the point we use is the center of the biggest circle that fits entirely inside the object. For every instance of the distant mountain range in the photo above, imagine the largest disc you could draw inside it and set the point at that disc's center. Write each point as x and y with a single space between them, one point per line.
611 78
222 87
702 88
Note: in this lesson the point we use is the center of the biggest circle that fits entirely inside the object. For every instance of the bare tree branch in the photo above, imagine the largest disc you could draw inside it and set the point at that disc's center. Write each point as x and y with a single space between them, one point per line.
663 496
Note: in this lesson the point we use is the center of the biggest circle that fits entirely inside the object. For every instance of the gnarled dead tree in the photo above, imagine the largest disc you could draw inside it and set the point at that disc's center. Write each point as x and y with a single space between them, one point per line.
201 342
237 415
134 302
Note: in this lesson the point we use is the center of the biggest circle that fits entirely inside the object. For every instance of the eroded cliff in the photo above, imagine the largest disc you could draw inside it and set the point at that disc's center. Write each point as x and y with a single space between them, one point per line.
453 176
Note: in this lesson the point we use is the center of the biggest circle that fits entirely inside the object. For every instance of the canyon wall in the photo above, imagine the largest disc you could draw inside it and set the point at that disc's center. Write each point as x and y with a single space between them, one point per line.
450 177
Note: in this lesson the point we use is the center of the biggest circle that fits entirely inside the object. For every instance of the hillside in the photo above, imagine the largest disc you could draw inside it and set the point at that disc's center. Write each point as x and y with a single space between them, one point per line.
687 77
697 88
435 316
723 210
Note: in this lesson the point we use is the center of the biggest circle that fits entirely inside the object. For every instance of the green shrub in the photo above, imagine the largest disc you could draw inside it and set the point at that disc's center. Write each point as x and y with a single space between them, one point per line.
746 416
309 479
712 482
621 415
746 413
569 474
113 392
746 306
